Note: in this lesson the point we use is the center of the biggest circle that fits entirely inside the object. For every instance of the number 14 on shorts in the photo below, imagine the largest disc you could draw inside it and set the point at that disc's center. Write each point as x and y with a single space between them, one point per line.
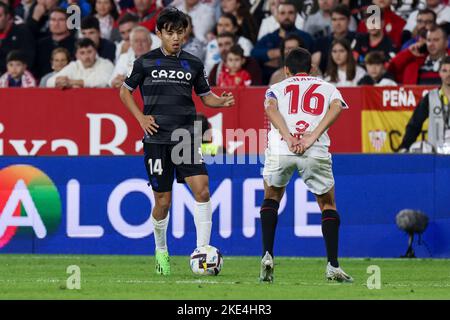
155 167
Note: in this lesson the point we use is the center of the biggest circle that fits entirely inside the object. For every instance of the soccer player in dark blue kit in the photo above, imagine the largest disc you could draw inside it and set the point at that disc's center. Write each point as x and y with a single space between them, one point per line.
166 77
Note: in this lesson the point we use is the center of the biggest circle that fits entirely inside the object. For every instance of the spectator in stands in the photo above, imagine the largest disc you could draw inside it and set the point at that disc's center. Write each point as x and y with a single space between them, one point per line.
441 10
435 107
227 23
420 62
60 58
319 24
88 71
126 23
270 23
373 40
426 19
393 24
17 75
192 44
291 41
106 13
340 21
241 10
376 72
14 37
141 42
84 5
59 36
233 75
202 16
267 50
90 28
226 41
38 19
342 69
146 11
23 10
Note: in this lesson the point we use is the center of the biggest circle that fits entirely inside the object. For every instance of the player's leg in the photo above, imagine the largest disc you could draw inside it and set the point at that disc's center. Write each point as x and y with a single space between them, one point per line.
199 185
330 225
269 220
160 221
277 172
269 215
161 175
317 174
330 231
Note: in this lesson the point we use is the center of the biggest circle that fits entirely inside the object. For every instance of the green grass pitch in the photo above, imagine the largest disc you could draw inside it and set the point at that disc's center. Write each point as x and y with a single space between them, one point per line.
133 277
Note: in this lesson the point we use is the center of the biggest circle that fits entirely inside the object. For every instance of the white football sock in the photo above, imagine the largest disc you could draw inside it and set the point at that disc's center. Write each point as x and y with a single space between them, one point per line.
203 222
160 232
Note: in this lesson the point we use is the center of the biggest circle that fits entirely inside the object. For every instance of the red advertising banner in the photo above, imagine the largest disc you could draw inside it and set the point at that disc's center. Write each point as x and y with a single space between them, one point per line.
94 121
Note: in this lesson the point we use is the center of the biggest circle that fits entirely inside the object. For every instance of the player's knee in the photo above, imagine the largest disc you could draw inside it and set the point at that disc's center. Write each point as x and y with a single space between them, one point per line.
202 195
162 202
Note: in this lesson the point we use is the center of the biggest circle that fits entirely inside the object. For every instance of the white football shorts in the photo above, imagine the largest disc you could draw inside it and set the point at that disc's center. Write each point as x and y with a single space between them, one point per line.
316 173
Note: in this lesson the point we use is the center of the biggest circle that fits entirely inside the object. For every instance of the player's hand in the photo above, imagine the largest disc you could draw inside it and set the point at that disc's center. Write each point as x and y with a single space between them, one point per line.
293 144
306 141
228 99
148 123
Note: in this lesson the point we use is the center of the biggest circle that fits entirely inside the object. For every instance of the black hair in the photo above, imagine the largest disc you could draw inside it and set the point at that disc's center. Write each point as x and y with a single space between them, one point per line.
289 37
90 22
440 27
128 17
84 43
233 20
16 55
59 10
428 11
237 50
445 60
114 12
231 17
171 18
342 9
298 60
227 35
375 57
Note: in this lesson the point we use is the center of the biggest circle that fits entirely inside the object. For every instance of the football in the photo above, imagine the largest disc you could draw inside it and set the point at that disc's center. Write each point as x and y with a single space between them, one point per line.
206 260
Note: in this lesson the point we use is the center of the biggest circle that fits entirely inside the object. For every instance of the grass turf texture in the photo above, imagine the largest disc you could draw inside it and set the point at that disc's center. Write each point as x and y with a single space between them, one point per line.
133 277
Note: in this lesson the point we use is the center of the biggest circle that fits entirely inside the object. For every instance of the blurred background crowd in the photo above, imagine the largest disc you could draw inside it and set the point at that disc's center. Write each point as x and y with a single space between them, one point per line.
241 42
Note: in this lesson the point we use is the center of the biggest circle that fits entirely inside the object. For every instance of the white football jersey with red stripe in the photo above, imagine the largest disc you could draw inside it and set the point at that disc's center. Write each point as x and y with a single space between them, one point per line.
303 102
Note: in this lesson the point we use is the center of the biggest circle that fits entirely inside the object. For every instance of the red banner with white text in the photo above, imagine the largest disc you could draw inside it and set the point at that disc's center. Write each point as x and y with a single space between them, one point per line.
94 121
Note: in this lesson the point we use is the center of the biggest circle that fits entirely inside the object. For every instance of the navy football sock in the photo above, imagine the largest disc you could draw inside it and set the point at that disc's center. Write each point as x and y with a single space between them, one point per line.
330 231
269 219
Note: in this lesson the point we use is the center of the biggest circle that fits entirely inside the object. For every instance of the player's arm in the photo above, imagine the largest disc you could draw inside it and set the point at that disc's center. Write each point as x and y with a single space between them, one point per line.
278 122
330 117
212 100
134 79
209 98
146 122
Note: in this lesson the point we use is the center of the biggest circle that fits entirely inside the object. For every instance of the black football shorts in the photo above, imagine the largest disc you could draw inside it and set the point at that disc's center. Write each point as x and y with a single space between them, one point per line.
161 168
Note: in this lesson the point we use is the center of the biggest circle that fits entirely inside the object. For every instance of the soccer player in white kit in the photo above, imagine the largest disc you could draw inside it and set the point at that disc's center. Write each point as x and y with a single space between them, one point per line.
301 108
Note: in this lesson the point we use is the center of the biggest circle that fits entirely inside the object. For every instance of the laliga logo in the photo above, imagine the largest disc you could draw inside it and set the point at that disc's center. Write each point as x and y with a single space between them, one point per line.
28 198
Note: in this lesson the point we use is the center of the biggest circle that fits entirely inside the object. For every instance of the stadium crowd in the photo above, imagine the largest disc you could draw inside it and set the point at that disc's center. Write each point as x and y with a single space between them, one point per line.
241 42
